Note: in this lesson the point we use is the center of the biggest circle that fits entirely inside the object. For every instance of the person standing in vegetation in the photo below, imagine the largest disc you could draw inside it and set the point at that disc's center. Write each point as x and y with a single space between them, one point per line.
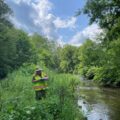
40 83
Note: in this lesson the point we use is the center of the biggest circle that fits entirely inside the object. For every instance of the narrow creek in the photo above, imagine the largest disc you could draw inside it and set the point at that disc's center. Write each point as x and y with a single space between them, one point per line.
99 103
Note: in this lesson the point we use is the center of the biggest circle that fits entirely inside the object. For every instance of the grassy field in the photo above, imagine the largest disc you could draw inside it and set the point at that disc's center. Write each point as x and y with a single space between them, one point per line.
17 98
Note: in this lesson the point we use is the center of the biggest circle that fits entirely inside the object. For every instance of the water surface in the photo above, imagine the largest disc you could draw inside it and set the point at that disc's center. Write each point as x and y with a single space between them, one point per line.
99 103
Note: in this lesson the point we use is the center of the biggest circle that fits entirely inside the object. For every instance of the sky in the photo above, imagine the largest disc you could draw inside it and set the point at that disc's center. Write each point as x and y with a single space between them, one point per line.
54 19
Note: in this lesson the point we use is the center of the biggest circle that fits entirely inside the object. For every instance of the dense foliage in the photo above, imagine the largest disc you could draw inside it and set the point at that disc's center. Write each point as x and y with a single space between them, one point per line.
17 98
105 12
101 61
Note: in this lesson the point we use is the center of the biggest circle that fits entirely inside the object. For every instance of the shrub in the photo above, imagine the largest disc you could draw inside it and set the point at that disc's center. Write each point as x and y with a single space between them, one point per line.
105 75
84 70
90 73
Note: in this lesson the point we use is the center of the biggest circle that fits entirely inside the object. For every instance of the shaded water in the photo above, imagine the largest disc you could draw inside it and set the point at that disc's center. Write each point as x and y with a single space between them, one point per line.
99 103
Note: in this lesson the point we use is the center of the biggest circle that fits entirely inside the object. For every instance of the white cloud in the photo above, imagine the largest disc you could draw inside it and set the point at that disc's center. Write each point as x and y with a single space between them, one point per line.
70 23
38 17
22 1
43 18
48 22
90 32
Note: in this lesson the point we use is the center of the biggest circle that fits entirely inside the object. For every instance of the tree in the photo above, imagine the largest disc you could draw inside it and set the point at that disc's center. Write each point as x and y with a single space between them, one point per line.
68 59
5 12
91 54
107 14
15 49
45 51
23 48
104 12
109 72
7 50
103 58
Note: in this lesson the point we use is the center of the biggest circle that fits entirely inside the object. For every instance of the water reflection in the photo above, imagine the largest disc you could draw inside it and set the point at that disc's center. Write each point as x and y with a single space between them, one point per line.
99 103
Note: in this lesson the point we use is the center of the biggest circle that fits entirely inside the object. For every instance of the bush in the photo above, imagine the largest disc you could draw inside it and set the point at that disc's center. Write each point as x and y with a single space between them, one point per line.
105 75
90 73
84 70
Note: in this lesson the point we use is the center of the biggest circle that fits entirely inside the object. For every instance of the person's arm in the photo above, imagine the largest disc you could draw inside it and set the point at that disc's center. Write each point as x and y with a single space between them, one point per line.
44 78
33 80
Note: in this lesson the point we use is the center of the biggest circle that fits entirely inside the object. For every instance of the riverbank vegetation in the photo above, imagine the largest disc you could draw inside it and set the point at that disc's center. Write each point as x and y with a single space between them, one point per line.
100 61
17 98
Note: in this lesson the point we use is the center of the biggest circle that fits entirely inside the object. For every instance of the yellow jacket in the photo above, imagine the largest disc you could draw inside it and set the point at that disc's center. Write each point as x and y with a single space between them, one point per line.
39 82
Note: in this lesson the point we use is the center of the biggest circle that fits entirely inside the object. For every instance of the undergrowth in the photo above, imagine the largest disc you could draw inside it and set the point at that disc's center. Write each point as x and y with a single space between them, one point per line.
17 98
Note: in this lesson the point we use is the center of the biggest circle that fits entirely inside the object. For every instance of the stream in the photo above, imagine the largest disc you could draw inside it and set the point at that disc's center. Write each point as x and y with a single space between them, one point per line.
99 103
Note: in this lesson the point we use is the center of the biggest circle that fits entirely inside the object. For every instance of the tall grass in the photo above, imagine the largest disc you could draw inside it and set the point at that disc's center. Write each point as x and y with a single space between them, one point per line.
17 98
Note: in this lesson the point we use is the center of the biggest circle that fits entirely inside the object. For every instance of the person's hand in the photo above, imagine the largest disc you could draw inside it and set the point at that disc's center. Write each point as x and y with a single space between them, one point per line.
34 81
